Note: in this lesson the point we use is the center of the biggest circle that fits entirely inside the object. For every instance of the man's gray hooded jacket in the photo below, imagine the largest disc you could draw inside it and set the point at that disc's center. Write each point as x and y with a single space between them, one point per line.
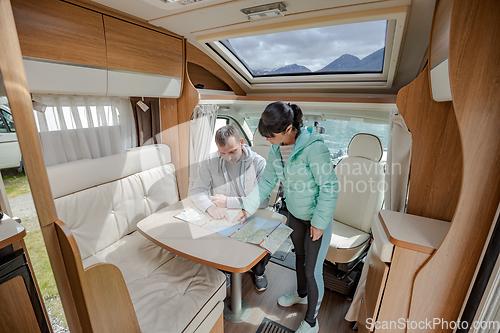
235 181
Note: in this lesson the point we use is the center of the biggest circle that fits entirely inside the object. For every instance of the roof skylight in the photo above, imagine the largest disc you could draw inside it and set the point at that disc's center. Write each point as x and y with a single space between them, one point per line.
339 49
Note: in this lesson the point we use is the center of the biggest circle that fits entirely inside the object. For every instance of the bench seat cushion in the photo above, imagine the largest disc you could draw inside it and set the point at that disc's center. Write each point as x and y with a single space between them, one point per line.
169 293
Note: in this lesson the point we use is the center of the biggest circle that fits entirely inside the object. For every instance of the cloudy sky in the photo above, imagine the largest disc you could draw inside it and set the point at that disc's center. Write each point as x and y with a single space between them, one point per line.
313 48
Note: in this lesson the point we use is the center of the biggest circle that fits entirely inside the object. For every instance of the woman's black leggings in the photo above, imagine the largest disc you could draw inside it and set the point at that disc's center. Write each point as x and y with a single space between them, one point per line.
309 264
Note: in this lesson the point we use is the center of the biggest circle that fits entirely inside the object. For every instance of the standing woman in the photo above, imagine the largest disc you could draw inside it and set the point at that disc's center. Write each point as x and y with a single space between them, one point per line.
301 161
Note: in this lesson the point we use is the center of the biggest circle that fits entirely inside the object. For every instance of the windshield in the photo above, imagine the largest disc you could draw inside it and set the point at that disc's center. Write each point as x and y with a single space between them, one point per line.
338 134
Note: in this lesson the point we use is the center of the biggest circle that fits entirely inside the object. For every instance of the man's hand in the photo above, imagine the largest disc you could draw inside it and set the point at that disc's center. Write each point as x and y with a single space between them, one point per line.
218 213
316 233
220 200
241 217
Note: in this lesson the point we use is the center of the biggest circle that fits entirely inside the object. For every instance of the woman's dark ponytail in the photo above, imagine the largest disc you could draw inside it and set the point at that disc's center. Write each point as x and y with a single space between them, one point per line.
297 117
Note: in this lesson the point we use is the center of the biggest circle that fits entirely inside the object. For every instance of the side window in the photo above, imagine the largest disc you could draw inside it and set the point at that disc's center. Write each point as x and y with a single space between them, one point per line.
253 123
218 124
338 134
3 127
223 121
10 121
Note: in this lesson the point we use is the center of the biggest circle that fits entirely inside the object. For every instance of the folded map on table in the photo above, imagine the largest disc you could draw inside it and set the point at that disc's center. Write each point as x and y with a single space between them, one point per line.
266 233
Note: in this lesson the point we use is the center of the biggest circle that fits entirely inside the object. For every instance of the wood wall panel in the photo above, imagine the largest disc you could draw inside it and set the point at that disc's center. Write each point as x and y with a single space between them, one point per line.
16 309
436 162
397 294
199 75
197 57
440 36
134 48
12 69
474 77
375 285
48 29
170 130
185 106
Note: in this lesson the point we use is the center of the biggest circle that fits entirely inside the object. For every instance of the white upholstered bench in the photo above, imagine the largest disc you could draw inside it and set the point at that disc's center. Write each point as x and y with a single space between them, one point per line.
101 200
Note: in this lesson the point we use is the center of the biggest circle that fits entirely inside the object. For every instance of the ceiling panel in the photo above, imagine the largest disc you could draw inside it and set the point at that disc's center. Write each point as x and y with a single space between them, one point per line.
225 16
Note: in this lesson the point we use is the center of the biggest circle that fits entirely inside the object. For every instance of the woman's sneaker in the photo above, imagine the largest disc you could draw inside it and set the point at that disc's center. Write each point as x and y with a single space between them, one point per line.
291 299
306 328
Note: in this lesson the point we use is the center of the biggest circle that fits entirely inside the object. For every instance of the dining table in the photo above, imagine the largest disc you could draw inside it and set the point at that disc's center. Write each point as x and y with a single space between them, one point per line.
209 248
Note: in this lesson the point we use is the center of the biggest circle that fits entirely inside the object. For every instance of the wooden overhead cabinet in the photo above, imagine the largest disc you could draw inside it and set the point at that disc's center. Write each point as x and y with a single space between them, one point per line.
59 31
138 49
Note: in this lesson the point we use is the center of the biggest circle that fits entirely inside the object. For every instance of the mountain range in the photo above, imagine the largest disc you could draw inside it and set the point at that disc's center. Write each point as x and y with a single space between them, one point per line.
345 63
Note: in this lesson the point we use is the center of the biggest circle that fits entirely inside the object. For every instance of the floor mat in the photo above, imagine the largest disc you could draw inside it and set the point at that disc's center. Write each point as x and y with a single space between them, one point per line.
285 256
269 326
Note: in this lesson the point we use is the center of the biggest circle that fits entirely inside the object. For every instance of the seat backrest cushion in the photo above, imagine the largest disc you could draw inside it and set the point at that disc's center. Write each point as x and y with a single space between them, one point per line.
361 182
103 199
366 146
260 145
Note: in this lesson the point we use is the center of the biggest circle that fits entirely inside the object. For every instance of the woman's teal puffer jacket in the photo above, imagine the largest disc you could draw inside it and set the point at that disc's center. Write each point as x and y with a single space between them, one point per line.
308 178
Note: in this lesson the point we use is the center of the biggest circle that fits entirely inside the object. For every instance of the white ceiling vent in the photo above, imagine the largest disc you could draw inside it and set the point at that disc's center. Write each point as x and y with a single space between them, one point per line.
265 11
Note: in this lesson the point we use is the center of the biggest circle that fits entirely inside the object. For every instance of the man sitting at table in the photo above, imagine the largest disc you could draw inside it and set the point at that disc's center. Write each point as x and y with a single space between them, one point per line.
225 179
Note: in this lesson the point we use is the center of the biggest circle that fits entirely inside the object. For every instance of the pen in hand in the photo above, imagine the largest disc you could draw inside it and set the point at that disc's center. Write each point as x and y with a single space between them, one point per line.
241 217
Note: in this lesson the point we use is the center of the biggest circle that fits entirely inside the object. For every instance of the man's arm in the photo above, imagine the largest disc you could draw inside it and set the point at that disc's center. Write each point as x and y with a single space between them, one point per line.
201 187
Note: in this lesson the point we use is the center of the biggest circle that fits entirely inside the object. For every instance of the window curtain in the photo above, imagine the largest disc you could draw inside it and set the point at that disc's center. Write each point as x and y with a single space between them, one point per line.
396 188
147 123
398 164
79 127
201 135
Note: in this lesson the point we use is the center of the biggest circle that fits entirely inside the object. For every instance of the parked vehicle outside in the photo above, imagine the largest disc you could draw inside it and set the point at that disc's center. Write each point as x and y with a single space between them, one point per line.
10 153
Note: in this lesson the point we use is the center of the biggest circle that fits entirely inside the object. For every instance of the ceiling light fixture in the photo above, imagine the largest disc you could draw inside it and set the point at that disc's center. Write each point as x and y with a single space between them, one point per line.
265 11
37 106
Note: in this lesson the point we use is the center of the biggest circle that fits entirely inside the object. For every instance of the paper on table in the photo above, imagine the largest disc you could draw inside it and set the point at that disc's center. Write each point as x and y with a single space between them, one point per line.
266 233
222 226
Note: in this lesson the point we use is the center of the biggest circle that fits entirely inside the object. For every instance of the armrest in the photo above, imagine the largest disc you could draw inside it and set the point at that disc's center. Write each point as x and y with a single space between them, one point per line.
113 309
102 298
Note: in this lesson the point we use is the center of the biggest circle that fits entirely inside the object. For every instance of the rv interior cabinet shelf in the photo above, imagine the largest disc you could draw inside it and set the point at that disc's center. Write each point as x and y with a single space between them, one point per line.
19 294
390 279
412 232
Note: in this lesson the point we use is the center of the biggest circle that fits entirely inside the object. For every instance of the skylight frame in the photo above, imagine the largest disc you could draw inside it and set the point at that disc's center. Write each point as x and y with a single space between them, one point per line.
220 45
396 18
237 64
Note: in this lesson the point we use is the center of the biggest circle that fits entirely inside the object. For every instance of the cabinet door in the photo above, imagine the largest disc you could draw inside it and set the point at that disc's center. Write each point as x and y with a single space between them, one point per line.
138 49
60 31
15 304
375 284
363 323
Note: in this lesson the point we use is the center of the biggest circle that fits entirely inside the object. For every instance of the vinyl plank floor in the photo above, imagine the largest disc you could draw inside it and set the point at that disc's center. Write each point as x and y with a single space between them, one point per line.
264 304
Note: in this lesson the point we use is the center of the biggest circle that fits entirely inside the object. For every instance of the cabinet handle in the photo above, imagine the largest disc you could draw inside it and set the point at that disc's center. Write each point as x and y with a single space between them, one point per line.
371 264
362 300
